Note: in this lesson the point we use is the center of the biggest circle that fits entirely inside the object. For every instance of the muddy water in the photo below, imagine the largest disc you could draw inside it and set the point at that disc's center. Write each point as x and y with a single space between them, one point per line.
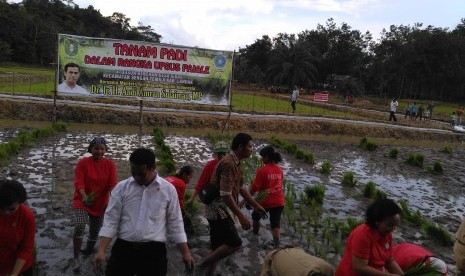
47 172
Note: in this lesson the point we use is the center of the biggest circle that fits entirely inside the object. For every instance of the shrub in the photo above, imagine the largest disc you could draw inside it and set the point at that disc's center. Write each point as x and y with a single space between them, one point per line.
370 190
393 153
415 159
326 168
348 179
315 193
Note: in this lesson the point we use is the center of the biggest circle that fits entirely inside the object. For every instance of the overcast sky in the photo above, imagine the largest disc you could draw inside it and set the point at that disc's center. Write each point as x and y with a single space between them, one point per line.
230 24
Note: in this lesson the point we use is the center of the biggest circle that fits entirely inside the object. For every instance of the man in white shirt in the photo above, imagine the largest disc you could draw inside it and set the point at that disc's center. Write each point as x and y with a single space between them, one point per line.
392 110
143 213
72 72
295 94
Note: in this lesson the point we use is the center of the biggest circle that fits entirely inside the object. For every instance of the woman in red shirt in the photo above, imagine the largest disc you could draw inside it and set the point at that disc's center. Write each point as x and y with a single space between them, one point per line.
219 151
17 230
94 178
180 181
369 247
269 181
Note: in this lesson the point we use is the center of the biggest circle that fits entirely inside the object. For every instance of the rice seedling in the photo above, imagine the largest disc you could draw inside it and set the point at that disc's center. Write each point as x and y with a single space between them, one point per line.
353 223
336 245
415 159
325 235
369 191
345 230
393 153
380 194
326 168
316 247
24 139
226 137
368 145
422 268
300 229
348 179
291 148
308 238
191 208
414 218
60 126
447 149
315 193
438 233
437 168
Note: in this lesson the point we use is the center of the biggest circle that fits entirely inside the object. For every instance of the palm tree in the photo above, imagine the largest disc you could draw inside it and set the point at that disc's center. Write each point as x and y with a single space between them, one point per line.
292 62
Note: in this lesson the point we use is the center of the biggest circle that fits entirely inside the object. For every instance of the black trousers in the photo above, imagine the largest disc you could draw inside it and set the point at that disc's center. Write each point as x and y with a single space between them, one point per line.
137 258
392 115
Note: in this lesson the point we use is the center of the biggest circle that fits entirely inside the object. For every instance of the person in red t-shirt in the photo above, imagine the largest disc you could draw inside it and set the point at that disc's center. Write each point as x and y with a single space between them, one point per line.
369 247
268 183
409 255
180 181
94 178
219 151
17 230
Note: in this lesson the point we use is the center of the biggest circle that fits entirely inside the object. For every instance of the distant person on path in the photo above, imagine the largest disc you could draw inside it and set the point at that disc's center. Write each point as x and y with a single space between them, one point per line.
420 112
219 151
430 109
369 247
392 110
143 213
223 212
459 113
408 255
294 96
94 177
17 230
459 250
72 71
180 181
268 182
407 110
413 111
453 119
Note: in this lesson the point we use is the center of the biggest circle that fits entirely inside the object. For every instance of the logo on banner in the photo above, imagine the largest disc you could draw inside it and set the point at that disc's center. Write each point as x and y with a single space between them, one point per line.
220 61
71 47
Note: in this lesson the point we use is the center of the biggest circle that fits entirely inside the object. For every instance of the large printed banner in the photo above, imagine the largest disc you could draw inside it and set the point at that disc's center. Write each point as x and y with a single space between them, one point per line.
100 67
